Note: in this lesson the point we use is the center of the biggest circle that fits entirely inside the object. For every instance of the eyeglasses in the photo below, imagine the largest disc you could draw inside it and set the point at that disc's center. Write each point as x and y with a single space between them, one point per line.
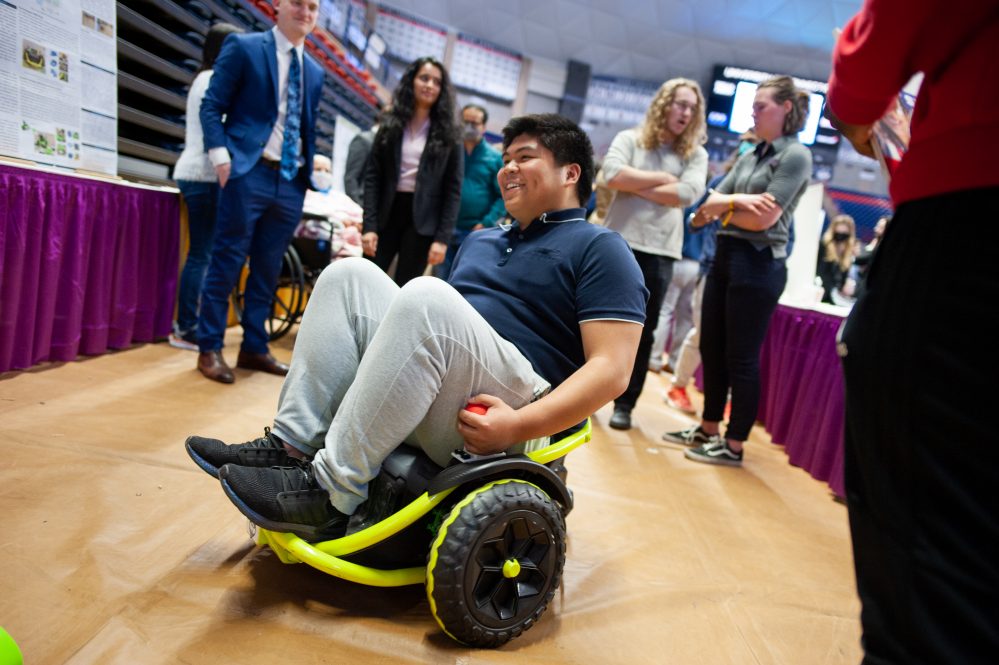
684 106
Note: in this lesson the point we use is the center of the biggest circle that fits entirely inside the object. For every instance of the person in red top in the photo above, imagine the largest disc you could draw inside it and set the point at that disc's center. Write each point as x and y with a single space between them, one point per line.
922 474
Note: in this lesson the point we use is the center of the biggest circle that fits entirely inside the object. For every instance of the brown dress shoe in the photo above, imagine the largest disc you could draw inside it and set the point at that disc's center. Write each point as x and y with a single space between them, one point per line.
261 362
212 365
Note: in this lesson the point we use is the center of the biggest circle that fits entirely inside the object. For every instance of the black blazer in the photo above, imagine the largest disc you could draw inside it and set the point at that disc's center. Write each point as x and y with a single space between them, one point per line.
357 161
436 199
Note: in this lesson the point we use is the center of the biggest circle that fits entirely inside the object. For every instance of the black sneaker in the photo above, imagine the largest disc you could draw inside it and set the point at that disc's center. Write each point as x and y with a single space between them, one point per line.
212 454
715 452
621 419
286 499
691 437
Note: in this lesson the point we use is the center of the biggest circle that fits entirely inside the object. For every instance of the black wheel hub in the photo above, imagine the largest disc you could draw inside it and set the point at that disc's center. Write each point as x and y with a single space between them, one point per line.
511 569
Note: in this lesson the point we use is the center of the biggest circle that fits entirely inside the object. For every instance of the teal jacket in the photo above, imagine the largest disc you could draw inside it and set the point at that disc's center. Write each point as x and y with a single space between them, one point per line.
481 200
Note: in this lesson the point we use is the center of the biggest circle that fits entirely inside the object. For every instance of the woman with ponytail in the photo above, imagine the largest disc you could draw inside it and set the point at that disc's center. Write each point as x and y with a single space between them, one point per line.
755 203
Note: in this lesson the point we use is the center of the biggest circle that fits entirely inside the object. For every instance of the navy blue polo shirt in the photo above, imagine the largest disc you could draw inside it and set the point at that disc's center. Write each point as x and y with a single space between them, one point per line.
535 286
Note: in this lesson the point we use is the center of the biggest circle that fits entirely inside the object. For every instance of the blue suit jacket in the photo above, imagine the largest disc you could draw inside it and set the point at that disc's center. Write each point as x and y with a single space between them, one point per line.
244 89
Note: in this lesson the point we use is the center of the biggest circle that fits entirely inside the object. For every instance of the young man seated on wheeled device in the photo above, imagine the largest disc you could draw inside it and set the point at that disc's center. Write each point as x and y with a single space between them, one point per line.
539 322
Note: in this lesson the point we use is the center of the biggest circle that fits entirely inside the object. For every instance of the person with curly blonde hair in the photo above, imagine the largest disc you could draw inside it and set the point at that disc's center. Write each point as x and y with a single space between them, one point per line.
693 134
657 170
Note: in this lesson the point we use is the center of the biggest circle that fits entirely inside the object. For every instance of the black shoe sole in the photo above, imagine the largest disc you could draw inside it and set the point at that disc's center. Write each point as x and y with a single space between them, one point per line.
204 464
303 531
619 425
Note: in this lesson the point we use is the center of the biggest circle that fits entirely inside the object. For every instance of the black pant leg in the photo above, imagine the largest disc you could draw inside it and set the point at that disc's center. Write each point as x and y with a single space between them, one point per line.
922 476
390 236
756 280
657 271
413 250
714 368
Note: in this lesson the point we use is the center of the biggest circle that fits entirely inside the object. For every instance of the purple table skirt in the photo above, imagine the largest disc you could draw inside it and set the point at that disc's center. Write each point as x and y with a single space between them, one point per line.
85 266
802 396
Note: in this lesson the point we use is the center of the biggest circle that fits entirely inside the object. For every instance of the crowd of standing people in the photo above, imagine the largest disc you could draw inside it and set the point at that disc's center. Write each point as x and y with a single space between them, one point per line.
434 195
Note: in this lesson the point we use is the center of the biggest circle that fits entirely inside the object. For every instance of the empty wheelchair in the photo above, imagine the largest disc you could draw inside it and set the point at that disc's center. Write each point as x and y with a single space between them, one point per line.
318 241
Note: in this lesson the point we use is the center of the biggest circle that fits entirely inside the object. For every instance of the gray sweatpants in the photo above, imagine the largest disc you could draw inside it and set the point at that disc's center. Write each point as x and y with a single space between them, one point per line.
376 365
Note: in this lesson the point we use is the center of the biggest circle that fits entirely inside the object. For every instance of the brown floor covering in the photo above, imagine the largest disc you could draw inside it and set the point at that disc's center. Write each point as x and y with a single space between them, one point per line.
117 549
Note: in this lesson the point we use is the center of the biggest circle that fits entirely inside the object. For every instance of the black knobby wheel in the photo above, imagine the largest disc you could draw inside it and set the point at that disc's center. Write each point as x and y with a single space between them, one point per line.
496 563
289 296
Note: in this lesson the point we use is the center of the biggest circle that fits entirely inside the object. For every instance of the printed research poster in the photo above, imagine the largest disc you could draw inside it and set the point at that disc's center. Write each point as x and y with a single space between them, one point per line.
58 83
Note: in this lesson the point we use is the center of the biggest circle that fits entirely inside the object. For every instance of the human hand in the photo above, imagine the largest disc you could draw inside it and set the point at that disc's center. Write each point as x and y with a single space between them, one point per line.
478 227
491 432
859 136
222 172
754 203
369 243
436 254
700 218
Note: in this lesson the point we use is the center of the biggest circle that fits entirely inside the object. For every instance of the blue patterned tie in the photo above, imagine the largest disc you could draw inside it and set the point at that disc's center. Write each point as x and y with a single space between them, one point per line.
292 120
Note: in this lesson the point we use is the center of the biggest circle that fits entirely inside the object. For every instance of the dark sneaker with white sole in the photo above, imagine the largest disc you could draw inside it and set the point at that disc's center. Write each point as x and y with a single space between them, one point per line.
286 499
212 454
715 452
691 437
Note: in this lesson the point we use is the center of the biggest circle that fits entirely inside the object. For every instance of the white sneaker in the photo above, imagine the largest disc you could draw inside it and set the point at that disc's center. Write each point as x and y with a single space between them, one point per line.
178 342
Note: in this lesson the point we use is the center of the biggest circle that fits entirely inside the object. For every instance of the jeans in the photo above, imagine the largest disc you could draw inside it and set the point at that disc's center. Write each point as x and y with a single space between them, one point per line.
376 365
676 312
657 271
202 199
740 297
689 358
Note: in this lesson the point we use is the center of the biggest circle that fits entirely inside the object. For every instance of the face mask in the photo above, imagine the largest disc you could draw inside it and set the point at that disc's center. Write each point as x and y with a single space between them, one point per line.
745 147
322 181
471 132
841 237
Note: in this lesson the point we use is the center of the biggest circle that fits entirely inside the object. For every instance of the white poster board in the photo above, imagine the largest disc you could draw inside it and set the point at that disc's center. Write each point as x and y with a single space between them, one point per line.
800 289
51 51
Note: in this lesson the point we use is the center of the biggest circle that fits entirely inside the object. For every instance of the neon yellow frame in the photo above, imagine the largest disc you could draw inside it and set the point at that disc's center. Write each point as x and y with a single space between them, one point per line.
326 556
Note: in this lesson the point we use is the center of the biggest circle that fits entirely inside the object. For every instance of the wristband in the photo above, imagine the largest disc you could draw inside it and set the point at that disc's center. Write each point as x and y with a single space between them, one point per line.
728 215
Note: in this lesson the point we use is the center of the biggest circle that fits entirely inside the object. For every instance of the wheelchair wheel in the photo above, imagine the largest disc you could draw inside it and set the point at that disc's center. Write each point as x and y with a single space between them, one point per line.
289 296
496 563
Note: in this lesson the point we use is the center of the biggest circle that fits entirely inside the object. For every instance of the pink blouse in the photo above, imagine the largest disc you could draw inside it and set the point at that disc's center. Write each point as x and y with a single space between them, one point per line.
412 148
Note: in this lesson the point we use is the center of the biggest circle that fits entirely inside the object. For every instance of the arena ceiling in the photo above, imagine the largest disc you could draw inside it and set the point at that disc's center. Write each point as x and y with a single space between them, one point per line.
654 39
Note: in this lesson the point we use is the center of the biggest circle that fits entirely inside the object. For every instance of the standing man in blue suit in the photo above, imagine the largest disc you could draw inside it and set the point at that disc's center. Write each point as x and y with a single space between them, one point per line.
259 118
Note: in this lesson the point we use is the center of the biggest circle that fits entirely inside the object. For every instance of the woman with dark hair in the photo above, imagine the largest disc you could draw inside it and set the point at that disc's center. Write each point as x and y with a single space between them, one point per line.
412 183
755 203
199 186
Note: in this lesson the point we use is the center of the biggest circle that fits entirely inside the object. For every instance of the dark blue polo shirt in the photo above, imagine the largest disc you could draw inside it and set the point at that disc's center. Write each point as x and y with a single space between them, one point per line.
536 286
